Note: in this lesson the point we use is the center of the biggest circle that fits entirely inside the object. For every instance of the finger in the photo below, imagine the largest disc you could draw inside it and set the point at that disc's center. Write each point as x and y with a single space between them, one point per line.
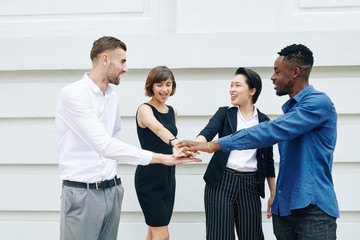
179 154
188 160
192 153
185 143
183 149
189 149
186 153
183 155
268 212
192 159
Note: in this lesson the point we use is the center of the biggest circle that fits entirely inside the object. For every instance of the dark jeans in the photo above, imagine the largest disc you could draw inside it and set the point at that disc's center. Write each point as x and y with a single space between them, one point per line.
310 223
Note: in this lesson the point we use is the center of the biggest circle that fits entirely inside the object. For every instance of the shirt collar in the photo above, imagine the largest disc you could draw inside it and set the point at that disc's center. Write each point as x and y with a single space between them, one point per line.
303 93
95 87
255 114
297 98
233 106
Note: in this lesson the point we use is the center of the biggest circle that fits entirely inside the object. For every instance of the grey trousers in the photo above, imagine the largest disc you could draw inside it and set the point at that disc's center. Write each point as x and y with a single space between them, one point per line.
89 214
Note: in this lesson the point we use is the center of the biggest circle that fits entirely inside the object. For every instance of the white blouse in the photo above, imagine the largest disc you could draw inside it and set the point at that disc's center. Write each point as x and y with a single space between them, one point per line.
244 160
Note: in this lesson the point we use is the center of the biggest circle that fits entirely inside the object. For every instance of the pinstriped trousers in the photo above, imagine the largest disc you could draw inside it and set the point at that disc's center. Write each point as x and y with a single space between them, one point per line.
233 203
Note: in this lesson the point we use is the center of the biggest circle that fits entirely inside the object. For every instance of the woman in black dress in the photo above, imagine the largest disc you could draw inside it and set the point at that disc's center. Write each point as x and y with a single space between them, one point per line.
155 184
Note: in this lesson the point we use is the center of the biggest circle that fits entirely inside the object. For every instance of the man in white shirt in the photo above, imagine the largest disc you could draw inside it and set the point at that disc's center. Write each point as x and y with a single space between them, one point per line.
88 128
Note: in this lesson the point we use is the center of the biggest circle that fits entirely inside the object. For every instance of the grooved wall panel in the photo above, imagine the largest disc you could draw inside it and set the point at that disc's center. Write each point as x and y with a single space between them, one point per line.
45 45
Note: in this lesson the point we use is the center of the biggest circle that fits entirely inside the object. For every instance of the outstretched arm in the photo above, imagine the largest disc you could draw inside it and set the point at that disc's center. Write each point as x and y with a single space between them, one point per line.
74 113
146 118
310 113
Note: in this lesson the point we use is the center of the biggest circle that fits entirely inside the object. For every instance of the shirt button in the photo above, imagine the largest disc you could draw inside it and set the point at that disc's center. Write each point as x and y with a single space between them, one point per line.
243 146
279 191
228 149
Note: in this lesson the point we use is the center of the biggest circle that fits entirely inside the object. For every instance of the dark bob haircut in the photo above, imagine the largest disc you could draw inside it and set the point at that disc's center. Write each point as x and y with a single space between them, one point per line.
253 80
157 75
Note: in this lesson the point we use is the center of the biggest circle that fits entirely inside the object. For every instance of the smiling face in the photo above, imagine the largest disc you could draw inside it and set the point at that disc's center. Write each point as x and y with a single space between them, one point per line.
162 90
240 92
282 77
117 65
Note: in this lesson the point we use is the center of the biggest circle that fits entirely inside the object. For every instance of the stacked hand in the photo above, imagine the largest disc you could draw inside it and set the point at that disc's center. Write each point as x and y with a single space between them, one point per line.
188 147
182 151
186 151
180 156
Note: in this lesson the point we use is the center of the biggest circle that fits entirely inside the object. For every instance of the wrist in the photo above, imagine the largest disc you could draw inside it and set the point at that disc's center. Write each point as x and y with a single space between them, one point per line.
172 139
175 142
157 158
209 147
214 146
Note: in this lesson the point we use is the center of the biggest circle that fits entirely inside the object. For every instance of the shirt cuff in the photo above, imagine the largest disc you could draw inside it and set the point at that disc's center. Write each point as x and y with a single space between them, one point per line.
146 157
225 143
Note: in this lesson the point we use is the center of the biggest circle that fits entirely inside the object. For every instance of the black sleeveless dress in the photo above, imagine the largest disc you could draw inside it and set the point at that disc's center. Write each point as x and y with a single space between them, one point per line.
155 183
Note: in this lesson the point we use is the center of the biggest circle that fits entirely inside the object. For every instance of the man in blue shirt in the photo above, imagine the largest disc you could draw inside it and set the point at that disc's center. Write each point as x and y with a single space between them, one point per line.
305 205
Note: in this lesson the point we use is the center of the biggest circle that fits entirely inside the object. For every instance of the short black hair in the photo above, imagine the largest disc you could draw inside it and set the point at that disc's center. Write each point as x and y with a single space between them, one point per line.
253 80
299 54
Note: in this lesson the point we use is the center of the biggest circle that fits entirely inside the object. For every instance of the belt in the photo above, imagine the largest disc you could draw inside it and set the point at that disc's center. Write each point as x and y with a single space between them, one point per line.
98 185
239 172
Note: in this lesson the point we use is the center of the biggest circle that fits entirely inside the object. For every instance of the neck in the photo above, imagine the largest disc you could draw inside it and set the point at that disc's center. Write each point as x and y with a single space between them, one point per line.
247 110
298 88
99 79
153 101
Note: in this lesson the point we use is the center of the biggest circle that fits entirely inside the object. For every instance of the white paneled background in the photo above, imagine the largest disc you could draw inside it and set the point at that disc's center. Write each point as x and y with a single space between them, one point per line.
45 45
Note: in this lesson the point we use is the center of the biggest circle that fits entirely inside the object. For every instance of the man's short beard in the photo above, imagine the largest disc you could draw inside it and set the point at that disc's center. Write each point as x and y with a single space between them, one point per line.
281 93
113 80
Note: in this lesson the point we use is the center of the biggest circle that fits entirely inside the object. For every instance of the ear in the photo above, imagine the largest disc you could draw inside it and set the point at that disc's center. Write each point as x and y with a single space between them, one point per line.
253 91
104 59
296 72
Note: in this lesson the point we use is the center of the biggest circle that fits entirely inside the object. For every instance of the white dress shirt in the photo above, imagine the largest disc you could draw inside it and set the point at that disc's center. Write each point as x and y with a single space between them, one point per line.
244 160
88 129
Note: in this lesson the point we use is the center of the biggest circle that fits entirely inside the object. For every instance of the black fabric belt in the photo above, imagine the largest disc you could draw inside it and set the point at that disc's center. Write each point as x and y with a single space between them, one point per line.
98 185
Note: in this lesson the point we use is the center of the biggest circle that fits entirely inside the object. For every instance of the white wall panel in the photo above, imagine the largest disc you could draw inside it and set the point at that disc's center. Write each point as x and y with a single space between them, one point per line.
41 192
43 7
51 21
30 208
19 230
29 141
26 98
263 16
32 141
208 50
225 16
49 230
328 3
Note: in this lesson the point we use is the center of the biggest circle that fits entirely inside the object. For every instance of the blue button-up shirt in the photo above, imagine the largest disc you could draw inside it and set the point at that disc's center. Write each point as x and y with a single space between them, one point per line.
306 136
